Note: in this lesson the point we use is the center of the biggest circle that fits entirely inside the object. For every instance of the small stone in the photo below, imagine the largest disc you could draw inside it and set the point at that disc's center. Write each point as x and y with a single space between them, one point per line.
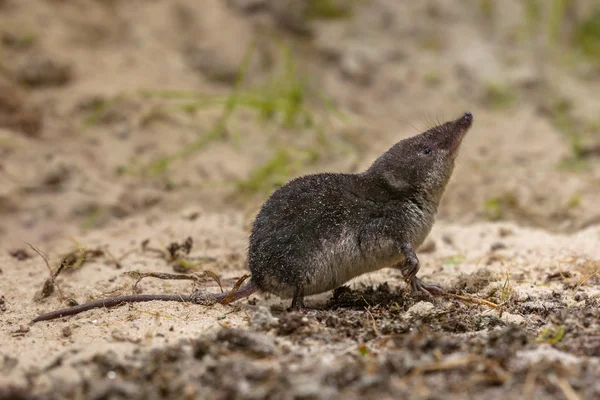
15 111
42 71
21 330
66 331
580 296
56 175
19 254
487 321
291 15
290 323
262 319
258 344
497 246
359 64
513 319
71 302
448 240
421 309
546 352
213 64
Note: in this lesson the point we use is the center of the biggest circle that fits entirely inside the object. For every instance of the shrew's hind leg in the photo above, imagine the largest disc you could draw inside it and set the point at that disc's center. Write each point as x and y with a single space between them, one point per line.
409 267
297 299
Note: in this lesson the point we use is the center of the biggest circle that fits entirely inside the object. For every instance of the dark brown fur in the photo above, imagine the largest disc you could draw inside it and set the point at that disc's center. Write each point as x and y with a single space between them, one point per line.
319 231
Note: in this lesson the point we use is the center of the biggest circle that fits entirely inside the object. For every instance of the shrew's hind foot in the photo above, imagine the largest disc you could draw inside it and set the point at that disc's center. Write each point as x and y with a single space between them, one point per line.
429 289
297 300
297 304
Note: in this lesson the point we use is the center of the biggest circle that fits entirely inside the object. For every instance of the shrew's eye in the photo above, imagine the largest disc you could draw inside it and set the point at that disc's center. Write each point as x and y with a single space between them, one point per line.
426 150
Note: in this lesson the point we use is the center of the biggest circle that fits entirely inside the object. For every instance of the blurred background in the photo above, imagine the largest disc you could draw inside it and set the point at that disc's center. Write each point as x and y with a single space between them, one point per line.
115 108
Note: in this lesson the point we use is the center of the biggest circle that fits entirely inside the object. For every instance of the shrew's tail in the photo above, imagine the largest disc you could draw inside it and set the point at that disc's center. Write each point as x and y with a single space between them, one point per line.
238 292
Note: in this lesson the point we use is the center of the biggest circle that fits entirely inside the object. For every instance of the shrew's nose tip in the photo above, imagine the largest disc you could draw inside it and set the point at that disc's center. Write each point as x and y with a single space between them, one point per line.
468 116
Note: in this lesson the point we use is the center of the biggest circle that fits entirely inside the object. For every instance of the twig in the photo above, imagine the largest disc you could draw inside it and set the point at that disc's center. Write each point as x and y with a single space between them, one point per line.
471 300
443 365
126 254
566 388
114 259
529 385
41 255
161 275
161 253
368 310
49 283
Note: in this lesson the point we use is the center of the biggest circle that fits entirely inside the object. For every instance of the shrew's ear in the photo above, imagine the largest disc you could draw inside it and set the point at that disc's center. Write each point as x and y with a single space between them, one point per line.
395 181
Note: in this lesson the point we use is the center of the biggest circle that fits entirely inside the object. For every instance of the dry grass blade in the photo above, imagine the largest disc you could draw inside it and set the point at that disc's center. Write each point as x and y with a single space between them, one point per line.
49 283
41 255
471 300
117 261
566 388
368 310
590 276
234 290
215 277
443 365
529 385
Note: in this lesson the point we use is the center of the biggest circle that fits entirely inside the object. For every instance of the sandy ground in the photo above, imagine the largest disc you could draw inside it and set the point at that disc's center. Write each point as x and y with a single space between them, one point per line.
534 274
99 100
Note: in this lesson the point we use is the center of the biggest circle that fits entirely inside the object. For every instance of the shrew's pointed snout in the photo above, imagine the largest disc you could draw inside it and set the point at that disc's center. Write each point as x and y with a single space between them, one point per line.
465 120
455 132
